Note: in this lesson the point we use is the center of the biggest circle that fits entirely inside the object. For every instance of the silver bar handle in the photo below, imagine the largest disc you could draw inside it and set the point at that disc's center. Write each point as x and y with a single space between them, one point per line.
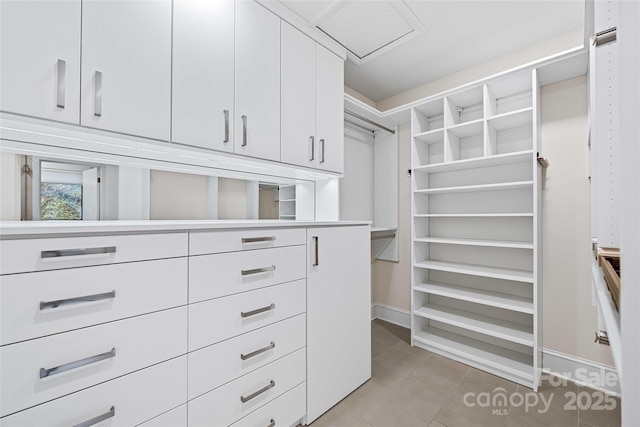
255 394
77 364
98 94
226 126
257 311
62 79
244 130
272 423
316 261
95 420
322 150
258 270
80 251
258 239
312 140
44 305
257 352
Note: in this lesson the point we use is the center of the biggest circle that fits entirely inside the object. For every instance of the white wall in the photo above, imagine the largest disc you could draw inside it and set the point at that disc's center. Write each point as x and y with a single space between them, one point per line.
232 198
133 193
356 188
177 195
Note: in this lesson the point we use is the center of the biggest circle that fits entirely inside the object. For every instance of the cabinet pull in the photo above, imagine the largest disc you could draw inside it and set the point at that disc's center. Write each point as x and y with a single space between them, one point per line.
255 394
244 130
322 150
95 420
44 305
258 239
77 364
312 140
272 423
98 94
226 126
80 251
258 270
62 79
315 244
257 311
257 352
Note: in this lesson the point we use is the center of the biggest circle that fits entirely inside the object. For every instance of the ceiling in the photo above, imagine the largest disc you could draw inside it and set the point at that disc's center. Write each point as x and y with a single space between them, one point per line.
397 45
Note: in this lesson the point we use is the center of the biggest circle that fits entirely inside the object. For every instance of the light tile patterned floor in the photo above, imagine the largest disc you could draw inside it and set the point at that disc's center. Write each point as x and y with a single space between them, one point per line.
413 387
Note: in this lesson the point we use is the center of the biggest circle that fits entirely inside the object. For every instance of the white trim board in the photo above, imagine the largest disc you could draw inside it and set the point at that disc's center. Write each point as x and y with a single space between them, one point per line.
391 314
581 371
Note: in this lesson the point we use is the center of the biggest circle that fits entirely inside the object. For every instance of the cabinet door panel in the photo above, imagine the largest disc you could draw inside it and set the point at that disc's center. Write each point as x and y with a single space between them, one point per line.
257 81
298 88
126 67
329 111
40 59
203 73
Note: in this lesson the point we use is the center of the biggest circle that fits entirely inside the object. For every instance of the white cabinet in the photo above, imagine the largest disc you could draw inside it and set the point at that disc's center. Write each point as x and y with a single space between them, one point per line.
126 67
338 315
257 84
312 86
40 59
202 100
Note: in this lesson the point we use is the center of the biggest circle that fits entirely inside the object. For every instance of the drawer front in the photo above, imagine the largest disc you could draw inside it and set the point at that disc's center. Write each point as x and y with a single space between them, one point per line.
211 242
103 352
285 410
135 398
213 276
218 364
37 304
222 318
174 418
225 405
19 256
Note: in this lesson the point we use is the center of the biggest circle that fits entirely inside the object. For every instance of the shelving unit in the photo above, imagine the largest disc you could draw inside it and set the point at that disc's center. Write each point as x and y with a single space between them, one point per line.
476 227
287 202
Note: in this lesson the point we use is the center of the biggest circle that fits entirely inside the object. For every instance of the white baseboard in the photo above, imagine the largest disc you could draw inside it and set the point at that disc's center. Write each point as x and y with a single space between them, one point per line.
391 314
581 371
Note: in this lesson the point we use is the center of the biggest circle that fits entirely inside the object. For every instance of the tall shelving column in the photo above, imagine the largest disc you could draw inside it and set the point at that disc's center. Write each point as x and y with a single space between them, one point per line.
476 293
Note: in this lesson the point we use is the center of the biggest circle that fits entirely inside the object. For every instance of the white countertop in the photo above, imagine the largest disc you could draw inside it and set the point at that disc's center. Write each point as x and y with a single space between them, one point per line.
17 229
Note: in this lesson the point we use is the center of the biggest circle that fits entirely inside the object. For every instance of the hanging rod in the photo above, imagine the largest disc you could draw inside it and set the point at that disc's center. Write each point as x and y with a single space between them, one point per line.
371 122
360 126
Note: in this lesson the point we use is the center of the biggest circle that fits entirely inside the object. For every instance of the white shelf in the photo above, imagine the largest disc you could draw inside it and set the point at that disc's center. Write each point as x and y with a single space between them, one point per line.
498 328
492 356
382 229
473 242
287 216
610 316
512 119
476 215
479 162
431 136
467 129
287 200
479 296
482 187
478 270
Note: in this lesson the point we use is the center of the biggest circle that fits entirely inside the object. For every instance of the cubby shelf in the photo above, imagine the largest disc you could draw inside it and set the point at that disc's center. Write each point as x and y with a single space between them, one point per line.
497 328
478 270
464 130
511 119
479 162
476 215
474 242
431 136
481 187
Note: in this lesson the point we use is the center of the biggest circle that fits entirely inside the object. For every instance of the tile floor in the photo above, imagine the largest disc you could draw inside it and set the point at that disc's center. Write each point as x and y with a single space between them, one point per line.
413 387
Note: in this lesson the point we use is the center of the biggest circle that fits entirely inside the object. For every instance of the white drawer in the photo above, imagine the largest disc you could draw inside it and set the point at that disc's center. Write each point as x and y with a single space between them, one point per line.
25 255
213 276
174 418
218 364
224 405
211 242
138 342
135 398
222 318
118 291
285 410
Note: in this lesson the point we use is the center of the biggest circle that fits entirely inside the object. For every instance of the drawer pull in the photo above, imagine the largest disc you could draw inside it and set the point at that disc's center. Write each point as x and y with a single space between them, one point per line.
44 305
244 130
272 423
258 239
97 106
80 251
95 420
257 352
257 310
226 126
258 270
78 363
316 262
62 73
255 394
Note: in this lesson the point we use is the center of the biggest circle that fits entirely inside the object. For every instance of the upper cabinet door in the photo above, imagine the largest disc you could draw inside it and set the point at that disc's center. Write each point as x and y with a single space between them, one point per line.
202 101
298 88
126 66
329 111
40 59
257 81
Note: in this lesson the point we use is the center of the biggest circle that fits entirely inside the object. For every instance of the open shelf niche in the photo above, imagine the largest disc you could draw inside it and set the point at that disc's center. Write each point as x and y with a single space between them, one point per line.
476 292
